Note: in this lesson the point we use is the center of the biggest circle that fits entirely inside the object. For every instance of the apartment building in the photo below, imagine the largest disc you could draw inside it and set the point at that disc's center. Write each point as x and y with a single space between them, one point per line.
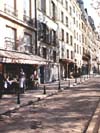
65 37
78 47
98 51
47 38
92 47
53 36
17 37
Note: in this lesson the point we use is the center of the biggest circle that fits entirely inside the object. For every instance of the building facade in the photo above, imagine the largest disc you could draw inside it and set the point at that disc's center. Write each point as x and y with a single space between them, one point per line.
55 37
18 37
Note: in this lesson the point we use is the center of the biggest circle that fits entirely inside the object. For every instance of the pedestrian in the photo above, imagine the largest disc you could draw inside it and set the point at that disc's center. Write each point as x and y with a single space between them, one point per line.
31 83
22 79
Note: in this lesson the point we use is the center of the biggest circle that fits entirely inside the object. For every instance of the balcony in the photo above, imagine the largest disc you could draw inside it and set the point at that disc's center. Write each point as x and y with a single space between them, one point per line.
25 48
9 43
28 20
10 10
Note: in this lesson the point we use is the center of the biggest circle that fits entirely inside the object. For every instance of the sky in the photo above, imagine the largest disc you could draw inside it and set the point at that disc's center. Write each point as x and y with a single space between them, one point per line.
92 12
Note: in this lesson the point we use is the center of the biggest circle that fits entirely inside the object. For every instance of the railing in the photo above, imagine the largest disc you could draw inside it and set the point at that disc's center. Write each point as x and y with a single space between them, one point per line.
10 10
25 48
28 20
9 43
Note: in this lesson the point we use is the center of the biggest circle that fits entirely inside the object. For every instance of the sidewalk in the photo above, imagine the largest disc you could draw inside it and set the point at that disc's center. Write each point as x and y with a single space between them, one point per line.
9 102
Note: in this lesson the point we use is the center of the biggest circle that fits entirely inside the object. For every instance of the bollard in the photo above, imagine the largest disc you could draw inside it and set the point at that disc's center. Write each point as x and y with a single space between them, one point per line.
59 87
18 98
44 90
80 79
69 83
76 80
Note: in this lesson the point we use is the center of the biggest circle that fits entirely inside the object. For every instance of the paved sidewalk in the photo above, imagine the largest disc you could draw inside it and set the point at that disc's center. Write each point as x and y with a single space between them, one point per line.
9 102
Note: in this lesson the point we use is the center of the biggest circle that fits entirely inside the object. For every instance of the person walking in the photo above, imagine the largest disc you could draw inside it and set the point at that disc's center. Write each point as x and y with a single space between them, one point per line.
22 79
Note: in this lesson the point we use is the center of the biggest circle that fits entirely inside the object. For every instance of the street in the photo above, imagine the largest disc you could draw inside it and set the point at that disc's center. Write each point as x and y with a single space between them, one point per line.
69 111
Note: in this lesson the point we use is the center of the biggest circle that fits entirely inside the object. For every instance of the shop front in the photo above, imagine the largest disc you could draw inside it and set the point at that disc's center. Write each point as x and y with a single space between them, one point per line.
66 68
12 62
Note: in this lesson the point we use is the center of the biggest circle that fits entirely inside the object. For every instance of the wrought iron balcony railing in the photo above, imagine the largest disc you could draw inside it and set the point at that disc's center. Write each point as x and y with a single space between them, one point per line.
28 20
9 43
10 10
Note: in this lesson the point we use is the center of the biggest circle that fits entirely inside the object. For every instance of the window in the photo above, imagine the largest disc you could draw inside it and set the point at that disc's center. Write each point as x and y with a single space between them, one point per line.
27 43
74 34
67 5
71 40
67 53
10 39
72 55
62 2
80 50
10 7
75 47
27 12
26 6
54 56
44 53
67 38
62 17
62 34
53 37
67 21
74 20
43 5
53 10
74 9
70 10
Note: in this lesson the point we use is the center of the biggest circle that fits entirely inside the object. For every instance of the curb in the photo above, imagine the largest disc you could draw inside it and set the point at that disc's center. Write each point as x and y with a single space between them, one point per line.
94 122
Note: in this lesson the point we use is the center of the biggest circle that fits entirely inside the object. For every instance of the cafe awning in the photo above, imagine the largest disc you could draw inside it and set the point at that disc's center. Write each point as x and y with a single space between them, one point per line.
21 58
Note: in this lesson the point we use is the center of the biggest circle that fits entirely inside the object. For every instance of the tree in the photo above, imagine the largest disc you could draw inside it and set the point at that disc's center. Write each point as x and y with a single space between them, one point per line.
96 5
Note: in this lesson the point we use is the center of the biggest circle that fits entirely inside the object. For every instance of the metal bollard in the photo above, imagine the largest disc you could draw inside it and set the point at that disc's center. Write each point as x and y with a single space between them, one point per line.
44 90
69 83
18 95
76 80
59 86
18 98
